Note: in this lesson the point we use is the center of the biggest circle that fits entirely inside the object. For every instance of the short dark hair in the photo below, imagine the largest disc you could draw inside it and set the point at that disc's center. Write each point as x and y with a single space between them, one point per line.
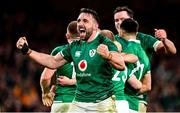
124 8
130 25
91 11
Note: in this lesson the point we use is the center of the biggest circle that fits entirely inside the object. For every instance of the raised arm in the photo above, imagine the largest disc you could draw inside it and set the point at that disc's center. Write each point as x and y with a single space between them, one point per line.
44 59
166 46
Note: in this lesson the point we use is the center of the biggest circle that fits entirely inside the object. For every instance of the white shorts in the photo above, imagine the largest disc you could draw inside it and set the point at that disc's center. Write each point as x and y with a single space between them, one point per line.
133 111
105 106
59 107
122 106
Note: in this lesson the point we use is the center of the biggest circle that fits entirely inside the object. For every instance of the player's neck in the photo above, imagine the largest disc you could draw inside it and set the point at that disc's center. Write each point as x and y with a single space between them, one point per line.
130 36
93 36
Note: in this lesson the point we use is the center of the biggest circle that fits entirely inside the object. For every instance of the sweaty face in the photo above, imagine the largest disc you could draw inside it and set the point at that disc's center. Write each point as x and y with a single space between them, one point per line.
85 25
119 17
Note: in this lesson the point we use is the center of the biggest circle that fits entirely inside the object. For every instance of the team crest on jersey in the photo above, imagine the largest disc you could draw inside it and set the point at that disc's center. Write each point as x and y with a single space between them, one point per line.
82 65
92 52
77 53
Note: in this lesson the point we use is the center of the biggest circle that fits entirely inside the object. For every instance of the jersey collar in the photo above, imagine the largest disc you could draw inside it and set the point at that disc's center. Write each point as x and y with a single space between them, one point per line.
134 40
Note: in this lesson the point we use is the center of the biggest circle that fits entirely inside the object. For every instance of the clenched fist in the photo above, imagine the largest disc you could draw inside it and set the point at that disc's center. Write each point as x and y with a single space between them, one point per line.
160 34
103 51
23 45
21 42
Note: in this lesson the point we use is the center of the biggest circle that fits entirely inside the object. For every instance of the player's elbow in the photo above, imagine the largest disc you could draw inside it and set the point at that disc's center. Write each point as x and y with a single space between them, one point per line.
43 79
149 88
174 52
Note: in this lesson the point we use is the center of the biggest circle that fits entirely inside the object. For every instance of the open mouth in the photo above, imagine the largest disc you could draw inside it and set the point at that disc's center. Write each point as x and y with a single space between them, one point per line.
82 30
82 33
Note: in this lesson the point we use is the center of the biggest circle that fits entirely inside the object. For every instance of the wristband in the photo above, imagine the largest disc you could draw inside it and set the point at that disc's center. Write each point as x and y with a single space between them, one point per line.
25 49
109 56
29 52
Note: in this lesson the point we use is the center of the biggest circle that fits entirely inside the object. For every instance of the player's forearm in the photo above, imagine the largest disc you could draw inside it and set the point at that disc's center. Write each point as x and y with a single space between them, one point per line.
45 79
146 83
43 59
129 58
46 60
169 46
144 89
134 82
45 84
117 60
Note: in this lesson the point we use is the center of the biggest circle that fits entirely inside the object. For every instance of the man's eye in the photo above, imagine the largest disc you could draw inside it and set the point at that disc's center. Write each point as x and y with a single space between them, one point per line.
116 20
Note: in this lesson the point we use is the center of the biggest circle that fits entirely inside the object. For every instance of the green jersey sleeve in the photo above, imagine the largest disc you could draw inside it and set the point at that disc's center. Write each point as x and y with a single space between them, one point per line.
148 43
66 52
57 50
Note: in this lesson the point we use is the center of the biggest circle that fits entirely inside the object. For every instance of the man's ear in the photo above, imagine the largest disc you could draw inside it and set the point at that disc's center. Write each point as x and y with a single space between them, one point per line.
67 36
96 27
121 32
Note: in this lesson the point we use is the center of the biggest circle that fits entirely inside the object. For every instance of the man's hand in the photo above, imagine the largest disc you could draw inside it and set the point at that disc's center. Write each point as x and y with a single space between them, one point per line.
48 98
160 34
21 42
65 81
23 46
103 51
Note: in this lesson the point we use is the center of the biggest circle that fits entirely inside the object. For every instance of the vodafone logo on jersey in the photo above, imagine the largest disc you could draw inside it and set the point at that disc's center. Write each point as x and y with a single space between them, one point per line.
82 65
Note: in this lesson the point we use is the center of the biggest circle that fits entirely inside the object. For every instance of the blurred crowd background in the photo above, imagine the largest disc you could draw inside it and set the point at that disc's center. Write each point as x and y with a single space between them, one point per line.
44 24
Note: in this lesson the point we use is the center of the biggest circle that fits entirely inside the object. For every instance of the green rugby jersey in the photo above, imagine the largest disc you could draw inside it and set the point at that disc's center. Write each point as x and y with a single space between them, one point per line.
64 93
148 43
93 73
119 80
139 70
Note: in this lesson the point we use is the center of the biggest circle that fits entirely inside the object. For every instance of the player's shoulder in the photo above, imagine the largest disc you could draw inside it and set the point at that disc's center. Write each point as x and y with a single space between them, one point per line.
58 49
141 35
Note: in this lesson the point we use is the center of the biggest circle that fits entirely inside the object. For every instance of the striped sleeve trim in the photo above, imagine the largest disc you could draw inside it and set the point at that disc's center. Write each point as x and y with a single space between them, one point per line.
61 53
156 45
149 72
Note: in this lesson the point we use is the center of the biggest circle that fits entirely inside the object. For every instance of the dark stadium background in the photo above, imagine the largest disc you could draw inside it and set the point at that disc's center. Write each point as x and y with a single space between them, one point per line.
44 23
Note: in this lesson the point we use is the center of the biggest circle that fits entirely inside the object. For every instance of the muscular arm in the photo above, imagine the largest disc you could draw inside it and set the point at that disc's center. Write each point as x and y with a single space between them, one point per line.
117 61
134 82
129 58
45 79
166 46
44 59
49 61
146 83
